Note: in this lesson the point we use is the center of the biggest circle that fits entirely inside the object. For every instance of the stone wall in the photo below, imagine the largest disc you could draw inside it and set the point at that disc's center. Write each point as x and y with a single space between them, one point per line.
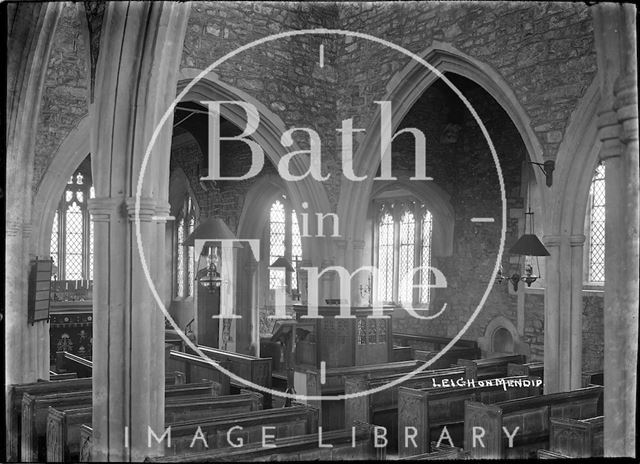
464 168
65 93
544 51
593 331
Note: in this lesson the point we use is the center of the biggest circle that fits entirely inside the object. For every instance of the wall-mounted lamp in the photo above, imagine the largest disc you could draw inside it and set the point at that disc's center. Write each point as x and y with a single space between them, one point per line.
547 168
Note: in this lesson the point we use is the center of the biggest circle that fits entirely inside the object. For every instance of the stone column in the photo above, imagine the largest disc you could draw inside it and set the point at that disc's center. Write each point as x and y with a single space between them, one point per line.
136 77
128 335
552 367
563 313
576 243
614 31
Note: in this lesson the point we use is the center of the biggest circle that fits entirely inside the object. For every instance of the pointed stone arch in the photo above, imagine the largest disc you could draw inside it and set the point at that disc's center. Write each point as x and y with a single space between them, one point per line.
403 90
268 136
73 150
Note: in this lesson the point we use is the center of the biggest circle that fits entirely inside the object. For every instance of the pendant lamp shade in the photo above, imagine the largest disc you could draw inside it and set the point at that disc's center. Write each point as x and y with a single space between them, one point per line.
529 245
213 230
283 262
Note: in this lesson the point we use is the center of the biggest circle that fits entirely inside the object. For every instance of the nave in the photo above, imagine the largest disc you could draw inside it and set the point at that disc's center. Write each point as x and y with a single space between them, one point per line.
396 261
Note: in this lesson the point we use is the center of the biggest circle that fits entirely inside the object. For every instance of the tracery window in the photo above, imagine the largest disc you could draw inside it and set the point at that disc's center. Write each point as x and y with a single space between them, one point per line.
596 226
403 242
284 240
184 271
71 245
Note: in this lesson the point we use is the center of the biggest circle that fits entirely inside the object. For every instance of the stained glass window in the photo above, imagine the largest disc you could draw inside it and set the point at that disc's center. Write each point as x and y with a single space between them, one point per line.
284 240
71 246
185 262
596 227
403 243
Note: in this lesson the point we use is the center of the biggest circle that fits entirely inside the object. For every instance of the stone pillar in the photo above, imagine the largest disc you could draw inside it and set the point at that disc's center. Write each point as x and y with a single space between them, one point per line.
614 31
30 31
563 313
552 367
576 243
136 77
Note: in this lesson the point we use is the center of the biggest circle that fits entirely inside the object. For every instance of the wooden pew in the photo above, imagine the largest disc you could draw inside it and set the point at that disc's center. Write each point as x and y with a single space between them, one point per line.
86 442
531 369
429 342
425 412
332 413
197 369
35 408
402 353
14 405
442 453
530 415
345 445
255 370
68 362
54 376
489 368
63 423
592 378
452 356
381 408
286 422
575 438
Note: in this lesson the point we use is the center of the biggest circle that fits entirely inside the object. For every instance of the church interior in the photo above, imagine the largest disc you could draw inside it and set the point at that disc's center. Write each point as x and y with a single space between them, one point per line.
250 231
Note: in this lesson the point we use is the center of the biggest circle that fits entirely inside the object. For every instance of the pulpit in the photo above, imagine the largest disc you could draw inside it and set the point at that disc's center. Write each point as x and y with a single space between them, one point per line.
327 348
342 342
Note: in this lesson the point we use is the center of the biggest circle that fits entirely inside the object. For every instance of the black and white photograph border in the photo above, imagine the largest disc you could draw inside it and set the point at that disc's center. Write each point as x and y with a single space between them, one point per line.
254 231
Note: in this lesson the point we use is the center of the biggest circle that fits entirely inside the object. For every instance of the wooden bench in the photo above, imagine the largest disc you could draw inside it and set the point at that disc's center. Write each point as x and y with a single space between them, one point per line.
68 362
592 378
441 453
531 369
286 422
531 418
577 438
255 370
425 412
489 368
14 406
197 369
35 408
402 353
429 342
381 408
63 423
55 376
332 413
342 445
452 356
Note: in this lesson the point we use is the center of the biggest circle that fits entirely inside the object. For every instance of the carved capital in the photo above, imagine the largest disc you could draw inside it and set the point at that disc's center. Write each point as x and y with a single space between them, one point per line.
552 240
103 209
13 228
147 211
626 104
577 240
358 244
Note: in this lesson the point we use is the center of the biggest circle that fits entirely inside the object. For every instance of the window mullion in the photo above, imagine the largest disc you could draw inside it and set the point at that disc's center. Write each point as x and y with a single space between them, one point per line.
417 252
396 260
